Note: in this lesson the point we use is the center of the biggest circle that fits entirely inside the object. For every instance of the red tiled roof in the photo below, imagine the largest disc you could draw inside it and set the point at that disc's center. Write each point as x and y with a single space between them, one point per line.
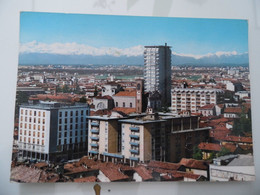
107 97
164 165
209 146
231 147
126 93
233 110
195 164
113 173
125 110
143 172
207 107
86 179
234 138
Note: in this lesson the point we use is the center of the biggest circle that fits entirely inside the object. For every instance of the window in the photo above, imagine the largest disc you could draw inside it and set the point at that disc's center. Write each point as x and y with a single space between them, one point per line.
21 132
34 113
60 114
42 135
65 141
25 119
60 121
59 128
38 134
21 118
116 104
25 125
81 119
30 126
59 142
43 128
24 132
30 113
20 138
24 139
77 113
70 127
70 133
34 133
39 127
25 112
71 120
76 140
65 134
38 141
65 127
77 120
59 135
29 133
123 104
66 114
30 119
39 120
21 125
131 105
81 112
21 111
43 114
76 126
34 127
39 113
66 120
42 142
70 140
76 133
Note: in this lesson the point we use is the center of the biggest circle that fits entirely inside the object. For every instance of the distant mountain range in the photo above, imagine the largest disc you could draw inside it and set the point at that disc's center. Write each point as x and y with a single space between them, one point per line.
177 59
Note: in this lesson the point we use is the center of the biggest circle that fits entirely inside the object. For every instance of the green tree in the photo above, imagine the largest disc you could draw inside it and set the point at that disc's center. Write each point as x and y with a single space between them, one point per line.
65 89
242 124
224 151
197 153
83 99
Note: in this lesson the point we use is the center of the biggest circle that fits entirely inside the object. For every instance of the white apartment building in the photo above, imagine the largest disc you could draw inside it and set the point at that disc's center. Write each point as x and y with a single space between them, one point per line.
191 99
49 131
157 71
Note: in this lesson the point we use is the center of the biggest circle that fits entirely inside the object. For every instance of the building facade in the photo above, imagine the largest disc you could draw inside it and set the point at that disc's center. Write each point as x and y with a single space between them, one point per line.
50 131
191 99
157 71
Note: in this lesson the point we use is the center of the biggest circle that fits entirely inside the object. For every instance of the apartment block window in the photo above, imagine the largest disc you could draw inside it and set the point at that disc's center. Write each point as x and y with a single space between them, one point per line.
70 140
34 134
33 140
65 141
21 111
66 120
70 133
81 119
76 140
66 114
81 112
60 114
43 121
34 127
39 120
71 127
77 120
24 132
38 134
123 104
38 141
42 142
60 128
43 114
42 135
21 132
71 113
25 119
116 104
34 120
21 118
39 127
30 119
65 134
76 133
21 125
81 125
30 126
60 120
43 128
76 126
25 125
77 113
25 112
71 120
131 105
34 113
59 142
86 112
59 135
30 113
39 113
20 138
29 133
65 127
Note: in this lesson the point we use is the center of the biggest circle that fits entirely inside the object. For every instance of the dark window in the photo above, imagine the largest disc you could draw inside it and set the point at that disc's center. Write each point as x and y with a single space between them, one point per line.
70 133
76 133
70 140
59 128
81 132
77 119
65 127
65 134
70 127
59 135
81 119
66 114
131 105
65 141
123 104
81 125
77 113
71 113
116 104
66 120
59 142
60 121
71 120
60 114
81 112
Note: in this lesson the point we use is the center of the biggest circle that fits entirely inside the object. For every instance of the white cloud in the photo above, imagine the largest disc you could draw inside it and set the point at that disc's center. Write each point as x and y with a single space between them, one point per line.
218 54
78 49
81 49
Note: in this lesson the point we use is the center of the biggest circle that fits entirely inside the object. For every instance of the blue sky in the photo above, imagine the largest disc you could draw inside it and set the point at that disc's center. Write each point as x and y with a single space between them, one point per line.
185 35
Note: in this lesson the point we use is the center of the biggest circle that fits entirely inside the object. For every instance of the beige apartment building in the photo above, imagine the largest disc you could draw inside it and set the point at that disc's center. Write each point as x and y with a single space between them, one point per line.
191 99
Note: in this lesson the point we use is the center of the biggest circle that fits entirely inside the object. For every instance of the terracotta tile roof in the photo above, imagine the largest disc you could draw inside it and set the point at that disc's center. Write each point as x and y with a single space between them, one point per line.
163 165
231 147
86 179
207 107
233 110
144 173
194 164
233 138
209 146
125 110
41 165
107 97
112 172
25 174
245 147
126 93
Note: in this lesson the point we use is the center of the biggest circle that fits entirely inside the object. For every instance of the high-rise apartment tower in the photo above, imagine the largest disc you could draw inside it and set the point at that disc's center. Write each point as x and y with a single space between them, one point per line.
157 71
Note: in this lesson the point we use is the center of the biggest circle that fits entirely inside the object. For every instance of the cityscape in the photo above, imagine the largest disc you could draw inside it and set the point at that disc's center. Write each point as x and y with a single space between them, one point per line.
133 122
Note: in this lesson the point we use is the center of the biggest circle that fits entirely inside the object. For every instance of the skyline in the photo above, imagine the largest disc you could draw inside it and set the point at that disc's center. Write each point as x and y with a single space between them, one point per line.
97 35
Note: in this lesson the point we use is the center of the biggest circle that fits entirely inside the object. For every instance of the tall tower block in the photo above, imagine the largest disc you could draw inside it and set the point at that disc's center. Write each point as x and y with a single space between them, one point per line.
157 71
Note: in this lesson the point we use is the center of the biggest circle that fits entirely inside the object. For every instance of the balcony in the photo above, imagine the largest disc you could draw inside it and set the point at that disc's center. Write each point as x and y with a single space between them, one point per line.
96 131
134 151
94 138
134 158
113 155
134 129
94 124
134 143
94 145
134 136
93 152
